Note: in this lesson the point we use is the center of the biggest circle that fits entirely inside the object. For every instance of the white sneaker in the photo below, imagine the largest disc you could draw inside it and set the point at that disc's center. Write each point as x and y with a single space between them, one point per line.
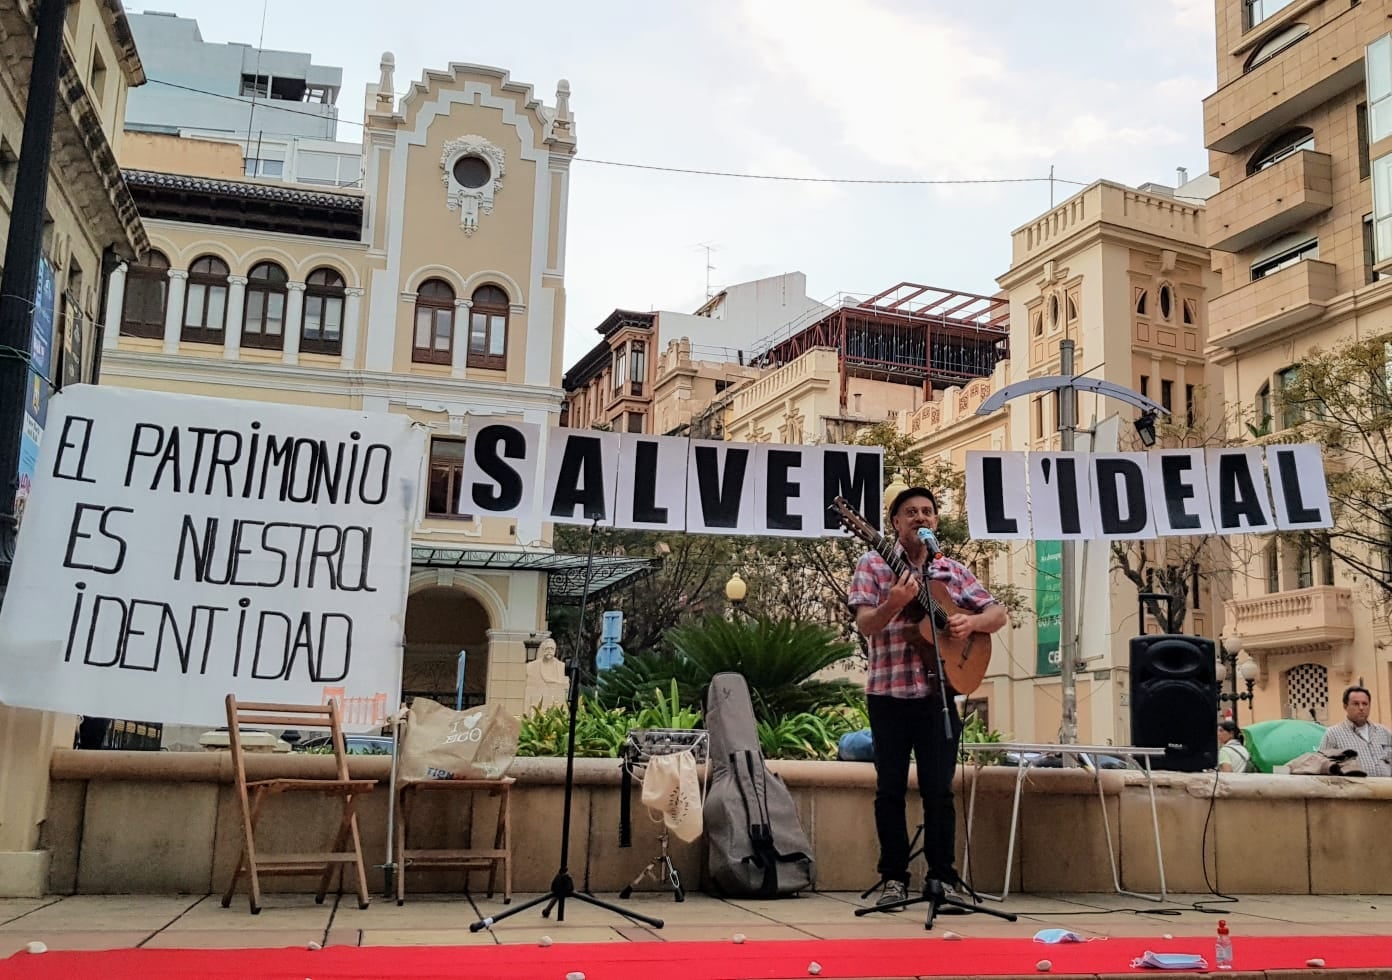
894 891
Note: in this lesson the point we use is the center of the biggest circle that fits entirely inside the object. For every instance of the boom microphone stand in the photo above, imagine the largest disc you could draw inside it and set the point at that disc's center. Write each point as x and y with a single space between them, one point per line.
934 891
563 885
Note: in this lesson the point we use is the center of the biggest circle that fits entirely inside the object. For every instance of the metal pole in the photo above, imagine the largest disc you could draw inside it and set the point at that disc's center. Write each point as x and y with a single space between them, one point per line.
22 248
1068 640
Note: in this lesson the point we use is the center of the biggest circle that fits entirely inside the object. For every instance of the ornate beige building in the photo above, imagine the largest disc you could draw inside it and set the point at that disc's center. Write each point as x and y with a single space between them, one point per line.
92 224
1122 272
1300 137
433 290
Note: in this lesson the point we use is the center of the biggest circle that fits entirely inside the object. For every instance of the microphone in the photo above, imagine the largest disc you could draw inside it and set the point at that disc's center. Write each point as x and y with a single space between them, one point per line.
931 540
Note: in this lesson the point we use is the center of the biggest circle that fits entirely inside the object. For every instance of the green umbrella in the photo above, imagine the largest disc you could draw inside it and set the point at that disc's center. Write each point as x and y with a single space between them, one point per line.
1277 742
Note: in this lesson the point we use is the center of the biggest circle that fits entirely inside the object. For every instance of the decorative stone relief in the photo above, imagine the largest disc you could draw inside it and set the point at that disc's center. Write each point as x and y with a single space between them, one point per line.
473 172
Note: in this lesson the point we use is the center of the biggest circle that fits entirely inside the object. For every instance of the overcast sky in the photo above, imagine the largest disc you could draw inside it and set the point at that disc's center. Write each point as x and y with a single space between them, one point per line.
864 89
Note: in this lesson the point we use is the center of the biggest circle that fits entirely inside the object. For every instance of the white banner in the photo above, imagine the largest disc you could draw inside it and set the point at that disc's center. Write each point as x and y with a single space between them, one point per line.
1139 496
177 549
639 482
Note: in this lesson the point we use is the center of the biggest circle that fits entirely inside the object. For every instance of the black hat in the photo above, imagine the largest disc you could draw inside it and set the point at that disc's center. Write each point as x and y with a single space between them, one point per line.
911 492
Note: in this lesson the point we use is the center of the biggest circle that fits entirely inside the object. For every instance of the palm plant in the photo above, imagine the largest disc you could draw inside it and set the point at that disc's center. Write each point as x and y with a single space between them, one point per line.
776 658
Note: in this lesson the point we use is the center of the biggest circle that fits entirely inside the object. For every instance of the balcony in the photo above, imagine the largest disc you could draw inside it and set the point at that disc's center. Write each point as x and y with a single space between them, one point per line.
1300 620
1294 295
1271 201
1276 93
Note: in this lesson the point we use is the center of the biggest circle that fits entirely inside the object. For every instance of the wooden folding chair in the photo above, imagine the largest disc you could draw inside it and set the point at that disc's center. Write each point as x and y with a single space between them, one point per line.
252 796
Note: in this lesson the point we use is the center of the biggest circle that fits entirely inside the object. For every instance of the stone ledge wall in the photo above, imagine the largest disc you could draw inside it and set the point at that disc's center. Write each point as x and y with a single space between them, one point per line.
138 822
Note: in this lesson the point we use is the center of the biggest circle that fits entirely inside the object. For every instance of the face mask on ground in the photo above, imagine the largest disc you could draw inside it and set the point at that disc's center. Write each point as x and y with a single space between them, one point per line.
1171 961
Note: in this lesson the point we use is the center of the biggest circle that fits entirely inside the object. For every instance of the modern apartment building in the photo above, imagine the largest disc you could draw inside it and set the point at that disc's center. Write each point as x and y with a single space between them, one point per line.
230 88
1300 138
614 384
278 109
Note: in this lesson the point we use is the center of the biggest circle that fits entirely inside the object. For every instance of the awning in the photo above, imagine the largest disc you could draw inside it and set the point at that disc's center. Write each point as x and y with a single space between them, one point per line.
565 574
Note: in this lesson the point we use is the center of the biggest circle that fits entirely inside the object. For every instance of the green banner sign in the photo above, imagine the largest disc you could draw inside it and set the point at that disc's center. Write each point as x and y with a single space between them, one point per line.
1048 605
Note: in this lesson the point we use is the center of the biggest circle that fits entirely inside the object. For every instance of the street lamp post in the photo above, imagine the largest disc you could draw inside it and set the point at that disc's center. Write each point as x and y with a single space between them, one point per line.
22 248
1228 669
1066 384
735 590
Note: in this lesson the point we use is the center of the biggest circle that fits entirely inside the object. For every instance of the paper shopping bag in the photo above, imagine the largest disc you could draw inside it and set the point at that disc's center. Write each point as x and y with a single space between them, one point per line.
440 743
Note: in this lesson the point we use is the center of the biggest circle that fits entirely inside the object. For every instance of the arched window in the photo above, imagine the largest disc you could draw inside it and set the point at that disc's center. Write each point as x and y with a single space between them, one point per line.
147 291
1277 43
323 313
1037 324
205 305
263 324
1140 301
1274 151
488 323
1190 314
433 342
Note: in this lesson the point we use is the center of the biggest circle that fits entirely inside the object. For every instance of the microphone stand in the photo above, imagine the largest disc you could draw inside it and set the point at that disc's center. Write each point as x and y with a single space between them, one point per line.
934 891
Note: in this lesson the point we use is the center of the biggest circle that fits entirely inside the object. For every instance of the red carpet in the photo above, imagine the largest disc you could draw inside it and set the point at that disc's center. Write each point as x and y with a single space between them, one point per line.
888 958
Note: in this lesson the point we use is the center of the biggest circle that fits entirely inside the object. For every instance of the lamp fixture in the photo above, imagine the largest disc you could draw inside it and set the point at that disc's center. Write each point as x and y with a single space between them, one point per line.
895 488
532 644
1228 671
1145 428
736 589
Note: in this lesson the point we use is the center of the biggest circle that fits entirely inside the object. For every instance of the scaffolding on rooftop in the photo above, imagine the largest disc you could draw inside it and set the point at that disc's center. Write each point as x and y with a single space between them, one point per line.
908 334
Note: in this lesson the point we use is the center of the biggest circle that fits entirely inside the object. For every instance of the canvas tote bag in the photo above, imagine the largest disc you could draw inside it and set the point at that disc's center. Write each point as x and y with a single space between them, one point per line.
671 787
440 743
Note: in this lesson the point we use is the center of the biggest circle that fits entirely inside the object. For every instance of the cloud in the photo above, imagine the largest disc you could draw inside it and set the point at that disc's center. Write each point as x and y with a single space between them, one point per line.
1194 15
906 91
926 92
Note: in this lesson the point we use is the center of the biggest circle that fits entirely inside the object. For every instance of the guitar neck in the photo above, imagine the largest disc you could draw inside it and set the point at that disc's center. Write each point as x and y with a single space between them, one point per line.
886 547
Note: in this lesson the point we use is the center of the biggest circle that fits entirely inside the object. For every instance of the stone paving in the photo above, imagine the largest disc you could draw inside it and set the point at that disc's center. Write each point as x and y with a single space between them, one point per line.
188 921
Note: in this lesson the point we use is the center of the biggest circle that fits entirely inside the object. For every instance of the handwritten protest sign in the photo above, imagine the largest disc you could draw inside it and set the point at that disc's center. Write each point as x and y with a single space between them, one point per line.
180 548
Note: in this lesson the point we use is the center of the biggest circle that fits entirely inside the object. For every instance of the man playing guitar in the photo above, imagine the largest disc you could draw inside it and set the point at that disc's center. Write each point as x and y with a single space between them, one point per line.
901 690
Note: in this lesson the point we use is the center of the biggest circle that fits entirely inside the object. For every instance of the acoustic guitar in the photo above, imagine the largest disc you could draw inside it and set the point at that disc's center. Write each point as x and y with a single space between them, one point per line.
964 659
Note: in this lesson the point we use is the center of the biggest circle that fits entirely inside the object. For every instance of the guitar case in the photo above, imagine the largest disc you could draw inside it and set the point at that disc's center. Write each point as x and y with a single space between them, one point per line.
757 848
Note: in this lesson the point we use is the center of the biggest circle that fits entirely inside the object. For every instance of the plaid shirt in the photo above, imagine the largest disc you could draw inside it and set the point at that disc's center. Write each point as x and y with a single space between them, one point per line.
1373 743
895 668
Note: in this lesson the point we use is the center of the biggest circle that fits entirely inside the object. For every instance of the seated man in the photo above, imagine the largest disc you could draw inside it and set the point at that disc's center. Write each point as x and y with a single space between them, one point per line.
1371 741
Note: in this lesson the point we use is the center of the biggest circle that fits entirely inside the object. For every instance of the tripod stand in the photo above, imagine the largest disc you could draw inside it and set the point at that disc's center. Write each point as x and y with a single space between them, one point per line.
935 894
915 850
563 885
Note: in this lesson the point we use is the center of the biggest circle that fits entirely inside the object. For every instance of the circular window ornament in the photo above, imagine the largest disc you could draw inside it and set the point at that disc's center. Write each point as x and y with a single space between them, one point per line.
472 172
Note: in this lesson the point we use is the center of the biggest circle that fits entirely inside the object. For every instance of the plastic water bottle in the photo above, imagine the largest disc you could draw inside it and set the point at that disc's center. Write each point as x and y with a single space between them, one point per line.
1222 948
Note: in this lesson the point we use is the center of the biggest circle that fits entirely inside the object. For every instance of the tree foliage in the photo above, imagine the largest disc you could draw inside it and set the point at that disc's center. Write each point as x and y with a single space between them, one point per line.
1341 397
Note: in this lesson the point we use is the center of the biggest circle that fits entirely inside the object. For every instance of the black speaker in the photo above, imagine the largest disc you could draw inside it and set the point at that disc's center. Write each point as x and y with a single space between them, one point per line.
1174 700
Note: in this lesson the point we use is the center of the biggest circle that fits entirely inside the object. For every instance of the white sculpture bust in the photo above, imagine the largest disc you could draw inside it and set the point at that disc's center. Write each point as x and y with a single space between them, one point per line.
546 678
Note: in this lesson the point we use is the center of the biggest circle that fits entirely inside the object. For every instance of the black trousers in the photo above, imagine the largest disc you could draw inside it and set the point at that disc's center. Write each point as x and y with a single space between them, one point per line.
901 726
